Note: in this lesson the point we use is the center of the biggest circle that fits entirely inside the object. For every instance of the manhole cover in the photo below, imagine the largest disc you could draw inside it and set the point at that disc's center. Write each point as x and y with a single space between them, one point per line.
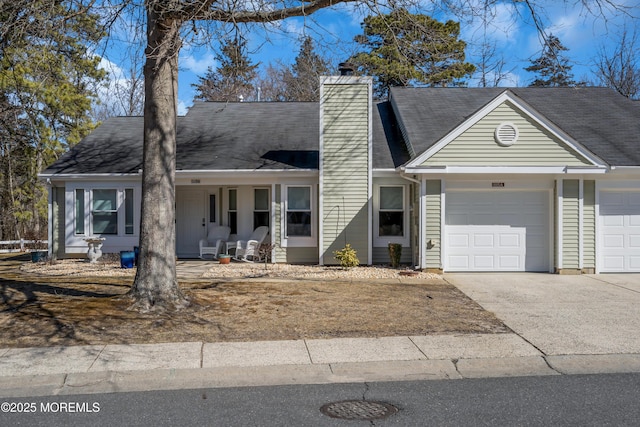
358 410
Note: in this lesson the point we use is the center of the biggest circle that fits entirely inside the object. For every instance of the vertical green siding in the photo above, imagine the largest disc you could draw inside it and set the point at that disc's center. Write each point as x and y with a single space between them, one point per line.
535 146
381 255
345 169
433 224
301 256
571 224
589 225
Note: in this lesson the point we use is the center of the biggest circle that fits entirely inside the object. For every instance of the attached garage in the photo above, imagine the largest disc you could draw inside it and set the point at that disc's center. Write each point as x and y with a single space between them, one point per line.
619 242
497 231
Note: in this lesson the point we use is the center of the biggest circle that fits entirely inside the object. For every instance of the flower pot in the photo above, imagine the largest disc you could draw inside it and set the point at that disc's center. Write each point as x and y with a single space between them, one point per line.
224 259
127 259
38 256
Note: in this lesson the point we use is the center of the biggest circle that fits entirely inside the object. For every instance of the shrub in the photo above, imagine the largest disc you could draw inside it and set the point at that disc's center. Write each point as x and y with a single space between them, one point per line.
347 256
395 253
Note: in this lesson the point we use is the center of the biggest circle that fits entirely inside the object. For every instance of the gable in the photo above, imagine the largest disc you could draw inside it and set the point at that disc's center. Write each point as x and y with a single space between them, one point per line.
535 145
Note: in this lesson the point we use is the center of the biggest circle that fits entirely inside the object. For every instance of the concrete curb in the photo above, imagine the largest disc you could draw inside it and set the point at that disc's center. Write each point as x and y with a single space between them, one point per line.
147 377
246 376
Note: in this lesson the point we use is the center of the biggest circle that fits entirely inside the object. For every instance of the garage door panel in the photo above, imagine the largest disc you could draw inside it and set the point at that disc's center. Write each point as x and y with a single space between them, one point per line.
614 220
620 231
483 241
458 240
613 263
613 241
507 231
483 262
459 262
509 240
509 262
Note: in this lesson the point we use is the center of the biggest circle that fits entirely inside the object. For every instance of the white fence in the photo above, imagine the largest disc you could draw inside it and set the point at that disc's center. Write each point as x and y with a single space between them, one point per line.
19 245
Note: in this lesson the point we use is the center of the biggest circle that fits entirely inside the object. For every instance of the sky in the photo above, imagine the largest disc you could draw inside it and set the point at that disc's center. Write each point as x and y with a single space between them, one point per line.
509 29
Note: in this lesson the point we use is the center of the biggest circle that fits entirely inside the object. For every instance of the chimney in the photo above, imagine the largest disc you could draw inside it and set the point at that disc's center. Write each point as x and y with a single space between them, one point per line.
345 165
346 68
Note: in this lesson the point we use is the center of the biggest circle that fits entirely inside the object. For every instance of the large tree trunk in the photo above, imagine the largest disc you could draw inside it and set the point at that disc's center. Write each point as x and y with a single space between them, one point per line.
156 285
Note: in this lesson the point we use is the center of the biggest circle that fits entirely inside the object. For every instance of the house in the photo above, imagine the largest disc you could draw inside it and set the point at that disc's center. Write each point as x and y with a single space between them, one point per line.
482 179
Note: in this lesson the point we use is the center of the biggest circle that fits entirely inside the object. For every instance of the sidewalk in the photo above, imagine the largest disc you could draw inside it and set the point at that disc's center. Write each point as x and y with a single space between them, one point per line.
117 368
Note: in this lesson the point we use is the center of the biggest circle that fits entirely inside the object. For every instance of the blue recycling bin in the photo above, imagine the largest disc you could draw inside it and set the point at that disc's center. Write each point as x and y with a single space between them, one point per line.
127 259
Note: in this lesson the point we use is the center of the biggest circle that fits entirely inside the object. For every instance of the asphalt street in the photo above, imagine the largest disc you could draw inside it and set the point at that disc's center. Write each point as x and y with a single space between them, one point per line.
575 400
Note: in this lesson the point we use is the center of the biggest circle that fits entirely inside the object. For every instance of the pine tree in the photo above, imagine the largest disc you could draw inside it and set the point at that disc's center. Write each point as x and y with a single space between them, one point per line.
552 68
233 80
302 81
47 79
405 49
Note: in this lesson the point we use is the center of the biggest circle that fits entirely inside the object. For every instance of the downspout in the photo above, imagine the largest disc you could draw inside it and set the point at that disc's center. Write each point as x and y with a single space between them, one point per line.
421 254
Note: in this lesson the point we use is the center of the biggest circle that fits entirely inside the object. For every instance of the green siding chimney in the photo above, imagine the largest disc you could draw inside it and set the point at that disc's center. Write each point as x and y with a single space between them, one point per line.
345 166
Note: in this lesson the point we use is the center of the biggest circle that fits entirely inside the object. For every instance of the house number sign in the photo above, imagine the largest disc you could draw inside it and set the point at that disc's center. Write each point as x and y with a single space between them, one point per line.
497 184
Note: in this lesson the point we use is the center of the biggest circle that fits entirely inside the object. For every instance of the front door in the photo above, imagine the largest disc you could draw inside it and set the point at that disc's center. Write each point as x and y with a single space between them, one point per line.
190 222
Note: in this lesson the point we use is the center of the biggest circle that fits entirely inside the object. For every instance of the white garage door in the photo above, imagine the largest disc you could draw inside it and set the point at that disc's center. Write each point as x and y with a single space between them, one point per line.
497 231
620 231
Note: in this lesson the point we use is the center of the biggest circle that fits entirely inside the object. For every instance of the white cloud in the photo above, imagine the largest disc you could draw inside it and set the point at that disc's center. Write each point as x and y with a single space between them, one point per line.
499 24
294 27
182 107
113 93
197 65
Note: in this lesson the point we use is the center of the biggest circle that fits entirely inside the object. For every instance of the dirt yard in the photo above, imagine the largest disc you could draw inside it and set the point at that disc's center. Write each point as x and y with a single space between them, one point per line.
39 309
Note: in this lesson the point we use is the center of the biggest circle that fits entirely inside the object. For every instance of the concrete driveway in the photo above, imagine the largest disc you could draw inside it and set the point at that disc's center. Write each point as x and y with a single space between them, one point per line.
588 314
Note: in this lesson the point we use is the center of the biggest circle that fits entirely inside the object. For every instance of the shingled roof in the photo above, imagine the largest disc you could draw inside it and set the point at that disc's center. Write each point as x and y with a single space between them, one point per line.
115 147
285 135
599 119
229 136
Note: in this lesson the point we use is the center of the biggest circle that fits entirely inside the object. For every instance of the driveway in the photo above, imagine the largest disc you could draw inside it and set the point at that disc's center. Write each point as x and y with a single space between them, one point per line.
588 314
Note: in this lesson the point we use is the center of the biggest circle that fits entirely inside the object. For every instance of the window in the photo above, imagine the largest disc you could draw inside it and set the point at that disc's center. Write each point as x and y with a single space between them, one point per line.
128 211
298 212
261 209
391 212
79 211
105 212
232 215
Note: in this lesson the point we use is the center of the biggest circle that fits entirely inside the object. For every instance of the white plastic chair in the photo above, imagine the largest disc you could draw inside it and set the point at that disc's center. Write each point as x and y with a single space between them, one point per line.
248 250
215 240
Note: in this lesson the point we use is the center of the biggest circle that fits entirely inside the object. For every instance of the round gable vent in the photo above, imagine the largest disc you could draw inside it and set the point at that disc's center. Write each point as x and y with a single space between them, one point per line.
506 134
